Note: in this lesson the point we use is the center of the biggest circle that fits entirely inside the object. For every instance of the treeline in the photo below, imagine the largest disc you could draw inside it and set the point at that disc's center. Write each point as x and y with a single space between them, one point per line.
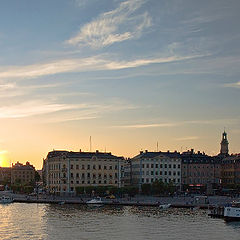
158 188
106 190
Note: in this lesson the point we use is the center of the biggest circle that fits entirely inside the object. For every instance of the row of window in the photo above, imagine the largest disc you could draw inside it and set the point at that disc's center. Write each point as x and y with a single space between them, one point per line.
83 166
169 173
161 165
85 182
151 180
198 174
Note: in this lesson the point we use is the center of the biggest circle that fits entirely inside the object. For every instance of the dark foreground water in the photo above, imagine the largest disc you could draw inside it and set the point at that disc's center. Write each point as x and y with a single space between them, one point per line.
43 221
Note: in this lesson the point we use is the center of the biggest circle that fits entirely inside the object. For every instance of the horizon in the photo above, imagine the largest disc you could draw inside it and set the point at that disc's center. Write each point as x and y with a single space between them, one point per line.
132 74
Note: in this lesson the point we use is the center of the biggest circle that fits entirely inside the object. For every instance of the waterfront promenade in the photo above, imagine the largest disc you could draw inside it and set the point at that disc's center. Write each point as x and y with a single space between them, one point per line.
176 201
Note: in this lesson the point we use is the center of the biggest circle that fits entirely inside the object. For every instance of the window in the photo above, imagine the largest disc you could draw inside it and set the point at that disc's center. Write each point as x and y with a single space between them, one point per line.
170 173
99 166
82 166
99 181
165 165
174 165
94 167
88 175
156 165
83 175
116 167
77 166
71 166
77 175
99 175
179 166
105 167
169 165
147 165
88 166
110 167
165 173
142 165
152 165
161 165
151 172
71 175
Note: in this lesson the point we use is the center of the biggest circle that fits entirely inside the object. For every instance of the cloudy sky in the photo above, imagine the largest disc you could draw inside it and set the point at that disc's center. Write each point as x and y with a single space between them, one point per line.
128 73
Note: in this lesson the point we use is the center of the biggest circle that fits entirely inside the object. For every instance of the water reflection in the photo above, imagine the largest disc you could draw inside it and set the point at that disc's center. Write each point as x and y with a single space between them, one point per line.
43 221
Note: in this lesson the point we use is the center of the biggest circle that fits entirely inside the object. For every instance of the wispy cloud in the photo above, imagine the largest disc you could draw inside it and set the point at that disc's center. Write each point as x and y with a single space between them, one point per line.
232 85
187 138
147 125
118 25
31 108
95 63
3 152
180 123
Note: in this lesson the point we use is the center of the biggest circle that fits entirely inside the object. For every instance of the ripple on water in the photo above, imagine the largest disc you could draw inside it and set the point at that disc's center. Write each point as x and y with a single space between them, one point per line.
43 221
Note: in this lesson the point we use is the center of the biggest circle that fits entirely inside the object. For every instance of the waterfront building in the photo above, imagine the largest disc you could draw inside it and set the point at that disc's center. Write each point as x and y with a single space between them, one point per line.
231 170
5 175
148 167
64 171
22 174
200 171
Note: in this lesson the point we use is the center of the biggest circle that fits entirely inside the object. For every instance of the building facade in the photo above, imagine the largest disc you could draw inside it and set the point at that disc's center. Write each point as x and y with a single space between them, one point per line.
231 170
148 167
23 174
200 171
63 171
5 175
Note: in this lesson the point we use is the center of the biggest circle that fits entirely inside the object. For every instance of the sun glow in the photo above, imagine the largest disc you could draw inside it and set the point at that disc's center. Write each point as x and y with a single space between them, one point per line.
3 161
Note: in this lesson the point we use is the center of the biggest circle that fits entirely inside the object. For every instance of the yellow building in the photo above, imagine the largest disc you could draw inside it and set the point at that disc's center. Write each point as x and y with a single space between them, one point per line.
63 171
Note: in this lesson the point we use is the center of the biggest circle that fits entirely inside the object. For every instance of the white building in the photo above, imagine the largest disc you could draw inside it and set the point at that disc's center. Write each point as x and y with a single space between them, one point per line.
148 167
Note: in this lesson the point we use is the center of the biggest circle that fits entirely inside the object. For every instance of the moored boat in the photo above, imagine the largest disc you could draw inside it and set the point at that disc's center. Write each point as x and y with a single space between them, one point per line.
6 199
232 213
164 206
95 202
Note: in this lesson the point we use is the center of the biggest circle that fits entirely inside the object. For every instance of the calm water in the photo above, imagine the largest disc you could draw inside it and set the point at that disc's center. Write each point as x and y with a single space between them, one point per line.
43 221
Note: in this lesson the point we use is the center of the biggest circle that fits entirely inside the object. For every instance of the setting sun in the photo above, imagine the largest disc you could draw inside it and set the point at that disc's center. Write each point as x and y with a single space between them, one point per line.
3 161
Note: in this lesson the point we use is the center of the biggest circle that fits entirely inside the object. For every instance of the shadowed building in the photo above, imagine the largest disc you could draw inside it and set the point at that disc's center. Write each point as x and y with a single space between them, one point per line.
63 171
5 175
231 170
200 171
22 174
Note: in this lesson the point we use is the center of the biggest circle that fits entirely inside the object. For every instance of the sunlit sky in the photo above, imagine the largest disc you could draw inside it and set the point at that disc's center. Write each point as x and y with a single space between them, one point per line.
128 73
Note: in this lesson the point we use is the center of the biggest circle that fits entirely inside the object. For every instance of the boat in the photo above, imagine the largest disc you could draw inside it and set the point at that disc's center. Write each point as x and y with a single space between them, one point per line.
95 202
61 202
164 206
232 212
6 199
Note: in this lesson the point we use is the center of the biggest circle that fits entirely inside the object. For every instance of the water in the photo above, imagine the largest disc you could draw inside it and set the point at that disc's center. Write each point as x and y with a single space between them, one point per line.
62 222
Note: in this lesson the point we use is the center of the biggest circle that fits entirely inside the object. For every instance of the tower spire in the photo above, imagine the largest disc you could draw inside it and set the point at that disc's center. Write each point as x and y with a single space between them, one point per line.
224 144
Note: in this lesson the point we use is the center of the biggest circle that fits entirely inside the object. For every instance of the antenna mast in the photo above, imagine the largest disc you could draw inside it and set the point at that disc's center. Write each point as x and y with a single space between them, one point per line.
90 140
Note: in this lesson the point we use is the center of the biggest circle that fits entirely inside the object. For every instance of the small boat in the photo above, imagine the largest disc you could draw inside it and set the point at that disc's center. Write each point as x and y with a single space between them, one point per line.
232 213
61 203
6 199
95 202
164 206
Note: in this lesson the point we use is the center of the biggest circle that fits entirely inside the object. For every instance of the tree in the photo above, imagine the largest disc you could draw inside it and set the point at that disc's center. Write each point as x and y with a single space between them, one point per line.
146 189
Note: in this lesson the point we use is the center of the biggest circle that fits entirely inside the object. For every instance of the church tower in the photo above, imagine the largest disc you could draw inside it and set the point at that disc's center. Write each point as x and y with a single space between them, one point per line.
224 144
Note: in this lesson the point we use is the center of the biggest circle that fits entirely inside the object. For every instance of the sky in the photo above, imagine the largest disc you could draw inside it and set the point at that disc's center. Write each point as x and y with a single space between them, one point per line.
132 74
